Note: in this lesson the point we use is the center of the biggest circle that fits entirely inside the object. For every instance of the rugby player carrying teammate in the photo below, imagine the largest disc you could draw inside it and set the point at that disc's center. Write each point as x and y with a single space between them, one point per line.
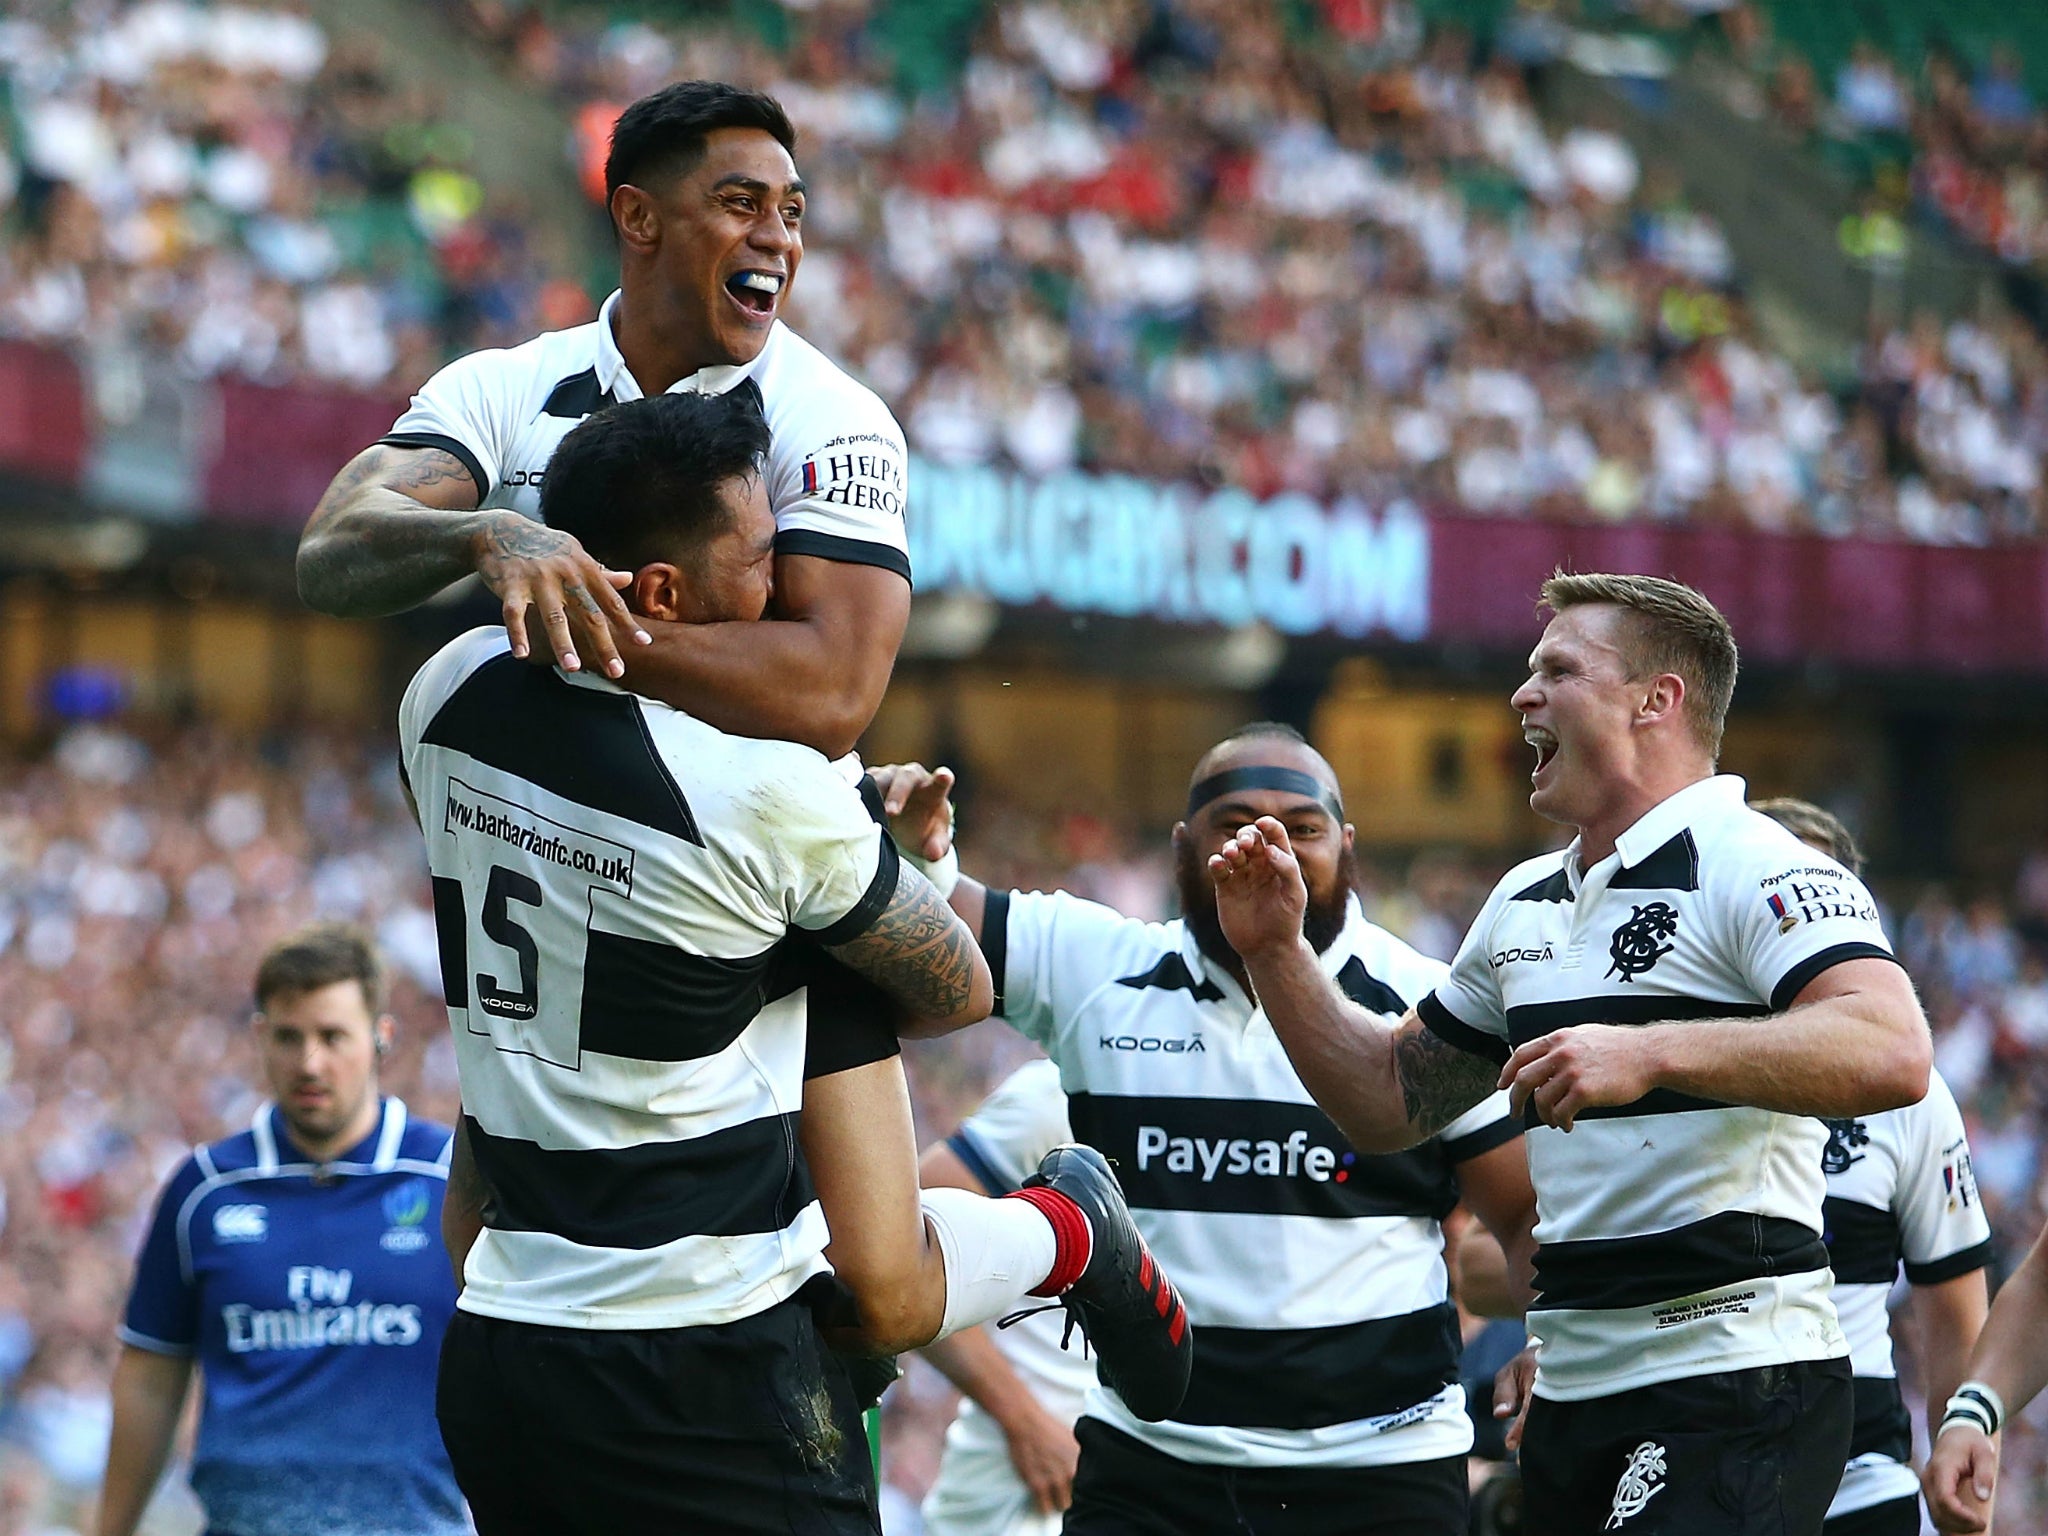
1326 1381
1677 998
296 1265
614 885
708 210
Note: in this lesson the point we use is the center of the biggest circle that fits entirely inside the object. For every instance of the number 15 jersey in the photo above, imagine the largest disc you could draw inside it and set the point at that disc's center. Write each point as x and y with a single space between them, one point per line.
614 882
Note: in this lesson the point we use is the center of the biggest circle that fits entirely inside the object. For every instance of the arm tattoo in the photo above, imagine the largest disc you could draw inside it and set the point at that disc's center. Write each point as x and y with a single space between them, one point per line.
512 537
1439 1082
391 531
917 950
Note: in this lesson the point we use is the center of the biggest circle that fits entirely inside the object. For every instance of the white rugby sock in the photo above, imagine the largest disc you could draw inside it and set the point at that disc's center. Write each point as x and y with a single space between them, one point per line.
995 1251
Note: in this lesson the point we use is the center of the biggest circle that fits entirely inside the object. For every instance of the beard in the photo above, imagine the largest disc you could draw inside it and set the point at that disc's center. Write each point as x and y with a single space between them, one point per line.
1320 924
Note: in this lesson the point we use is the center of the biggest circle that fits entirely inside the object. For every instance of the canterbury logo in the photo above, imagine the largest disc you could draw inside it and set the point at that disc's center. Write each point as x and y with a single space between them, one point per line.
1641 1481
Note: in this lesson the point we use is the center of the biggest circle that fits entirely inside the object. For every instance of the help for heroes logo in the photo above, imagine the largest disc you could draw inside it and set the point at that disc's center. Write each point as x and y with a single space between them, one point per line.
1813 896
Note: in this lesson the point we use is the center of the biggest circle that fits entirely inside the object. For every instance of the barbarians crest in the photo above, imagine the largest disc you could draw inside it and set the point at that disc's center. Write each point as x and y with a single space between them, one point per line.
1643 940
1844 1136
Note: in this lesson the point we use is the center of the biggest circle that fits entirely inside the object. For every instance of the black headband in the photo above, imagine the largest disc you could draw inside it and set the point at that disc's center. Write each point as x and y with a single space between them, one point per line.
1292 780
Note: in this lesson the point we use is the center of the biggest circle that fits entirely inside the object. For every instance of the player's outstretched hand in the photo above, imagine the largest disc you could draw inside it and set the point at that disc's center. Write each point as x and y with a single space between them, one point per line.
918 801
1513 1385
1961 1477
544 578
1584 1067
1260 895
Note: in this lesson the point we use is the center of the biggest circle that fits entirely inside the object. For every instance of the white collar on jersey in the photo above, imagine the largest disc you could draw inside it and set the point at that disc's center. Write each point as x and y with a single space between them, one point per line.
1341 949
617 380
1698 802
390 1136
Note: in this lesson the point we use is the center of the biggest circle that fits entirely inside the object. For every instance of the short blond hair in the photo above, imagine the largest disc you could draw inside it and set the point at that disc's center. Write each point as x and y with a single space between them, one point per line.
1672 628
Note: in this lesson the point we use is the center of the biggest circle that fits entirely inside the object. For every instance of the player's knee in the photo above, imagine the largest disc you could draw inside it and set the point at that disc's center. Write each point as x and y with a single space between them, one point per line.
898 1310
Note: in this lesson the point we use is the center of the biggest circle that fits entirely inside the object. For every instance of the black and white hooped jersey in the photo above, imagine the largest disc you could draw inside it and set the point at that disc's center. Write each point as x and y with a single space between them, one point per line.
1900 1192
836 458
613 884
1314 1274
1678 1235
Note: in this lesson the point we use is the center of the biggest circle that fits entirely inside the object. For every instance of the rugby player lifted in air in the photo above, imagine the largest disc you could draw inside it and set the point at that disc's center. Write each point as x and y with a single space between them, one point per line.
1677 998
708 210
615 883
1326 1380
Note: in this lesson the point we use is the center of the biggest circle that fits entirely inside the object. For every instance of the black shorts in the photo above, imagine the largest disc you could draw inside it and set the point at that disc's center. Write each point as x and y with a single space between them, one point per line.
1126 1488
1894 1517
745 1427
1738 1453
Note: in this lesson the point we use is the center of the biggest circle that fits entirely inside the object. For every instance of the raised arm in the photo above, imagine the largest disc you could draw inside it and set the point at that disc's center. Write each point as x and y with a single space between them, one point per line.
399 524
1387 1085
1853 1042
921 954
918 803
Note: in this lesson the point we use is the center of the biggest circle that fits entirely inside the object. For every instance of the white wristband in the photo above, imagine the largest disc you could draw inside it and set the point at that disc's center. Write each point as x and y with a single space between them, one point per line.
943 872
1974 1403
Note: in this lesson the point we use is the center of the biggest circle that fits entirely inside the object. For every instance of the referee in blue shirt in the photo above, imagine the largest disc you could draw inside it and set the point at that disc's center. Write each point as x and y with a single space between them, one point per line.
300 1265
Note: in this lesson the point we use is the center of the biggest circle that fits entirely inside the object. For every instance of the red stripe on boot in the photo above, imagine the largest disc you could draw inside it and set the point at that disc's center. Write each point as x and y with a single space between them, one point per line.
1073 1243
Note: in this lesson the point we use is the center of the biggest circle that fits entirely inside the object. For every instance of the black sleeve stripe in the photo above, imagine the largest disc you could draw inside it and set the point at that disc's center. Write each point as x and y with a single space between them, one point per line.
1464 1148
978 1163
995 939
1969 1261
872 904
1452 1030
446 444
1794 981
832 546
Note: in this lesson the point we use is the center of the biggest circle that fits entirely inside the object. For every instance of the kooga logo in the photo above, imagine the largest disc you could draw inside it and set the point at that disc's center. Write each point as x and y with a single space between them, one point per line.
1240 1157
1168 1045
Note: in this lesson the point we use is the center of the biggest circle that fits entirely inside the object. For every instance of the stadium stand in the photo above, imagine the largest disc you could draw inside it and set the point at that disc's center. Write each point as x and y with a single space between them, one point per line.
1334 246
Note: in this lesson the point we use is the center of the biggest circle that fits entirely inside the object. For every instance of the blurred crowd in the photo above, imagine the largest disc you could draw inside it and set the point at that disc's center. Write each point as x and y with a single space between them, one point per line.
234 189
142 875
1320 247
1967 143
1323 249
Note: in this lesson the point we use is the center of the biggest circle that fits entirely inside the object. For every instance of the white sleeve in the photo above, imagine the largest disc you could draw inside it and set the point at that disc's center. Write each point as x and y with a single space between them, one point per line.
1943 1231
1484 1126
1466 1008
1004 1140
1046 950
461 410
835 867
1793 914
839 480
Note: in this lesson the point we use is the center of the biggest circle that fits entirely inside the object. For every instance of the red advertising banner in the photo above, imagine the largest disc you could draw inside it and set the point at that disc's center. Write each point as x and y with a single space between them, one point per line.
1860 603
278 447
42 413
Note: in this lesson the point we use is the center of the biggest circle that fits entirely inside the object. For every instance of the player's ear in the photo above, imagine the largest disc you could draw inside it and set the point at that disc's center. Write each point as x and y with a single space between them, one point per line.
657 592
1350 837
382 1034
637 218
1180 835
1665 698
